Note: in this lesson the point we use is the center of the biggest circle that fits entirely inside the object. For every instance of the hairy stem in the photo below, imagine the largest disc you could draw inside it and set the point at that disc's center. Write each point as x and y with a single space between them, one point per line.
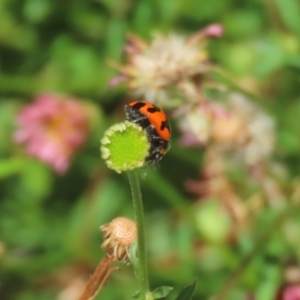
141 266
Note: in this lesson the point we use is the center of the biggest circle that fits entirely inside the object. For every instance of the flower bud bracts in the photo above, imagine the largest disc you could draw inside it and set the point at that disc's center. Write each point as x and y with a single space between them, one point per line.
124 147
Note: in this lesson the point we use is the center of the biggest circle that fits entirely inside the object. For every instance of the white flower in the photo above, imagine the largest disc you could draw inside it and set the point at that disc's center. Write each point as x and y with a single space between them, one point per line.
247 130
154 69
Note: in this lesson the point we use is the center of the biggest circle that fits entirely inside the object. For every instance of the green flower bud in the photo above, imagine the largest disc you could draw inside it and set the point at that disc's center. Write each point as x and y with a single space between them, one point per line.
124 147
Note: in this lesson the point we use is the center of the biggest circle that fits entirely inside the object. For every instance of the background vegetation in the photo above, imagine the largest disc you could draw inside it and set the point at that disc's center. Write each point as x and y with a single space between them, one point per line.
246 247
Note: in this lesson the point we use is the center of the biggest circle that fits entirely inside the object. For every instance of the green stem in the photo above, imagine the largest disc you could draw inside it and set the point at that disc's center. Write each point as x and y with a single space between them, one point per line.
141 266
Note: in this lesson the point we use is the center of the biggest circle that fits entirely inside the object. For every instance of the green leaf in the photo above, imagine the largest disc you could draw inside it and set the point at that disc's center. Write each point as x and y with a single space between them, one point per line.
161 292
158 293
12 166
289 11
136 295
132 255
134 261
188 292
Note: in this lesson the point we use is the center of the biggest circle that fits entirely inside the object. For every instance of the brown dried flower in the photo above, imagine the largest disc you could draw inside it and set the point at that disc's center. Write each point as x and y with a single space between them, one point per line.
119 235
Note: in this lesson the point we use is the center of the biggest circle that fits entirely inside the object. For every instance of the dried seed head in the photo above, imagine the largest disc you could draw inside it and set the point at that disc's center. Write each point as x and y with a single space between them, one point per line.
119 235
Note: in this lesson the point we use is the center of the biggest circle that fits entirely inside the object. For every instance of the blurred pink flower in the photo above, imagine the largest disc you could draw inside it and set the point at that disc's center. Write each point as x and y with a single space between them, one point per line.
291 292
52 128
213 30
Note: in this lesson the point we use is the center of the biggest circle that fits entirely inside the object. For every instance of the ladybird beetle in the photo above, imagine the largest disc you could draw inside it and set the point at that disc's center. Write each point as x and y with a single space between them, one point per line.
156 125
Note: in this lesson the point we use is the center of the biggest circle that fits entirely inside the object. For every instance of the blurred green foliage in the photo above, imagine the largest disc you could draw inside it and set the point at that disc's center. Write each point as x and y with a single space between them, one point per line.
49 223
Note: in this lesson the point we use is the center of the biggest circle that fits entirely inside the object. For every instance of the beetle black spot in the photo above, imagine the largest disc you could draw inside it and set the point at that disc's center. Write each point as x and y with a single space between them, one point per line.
138 105
153 109
164 124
